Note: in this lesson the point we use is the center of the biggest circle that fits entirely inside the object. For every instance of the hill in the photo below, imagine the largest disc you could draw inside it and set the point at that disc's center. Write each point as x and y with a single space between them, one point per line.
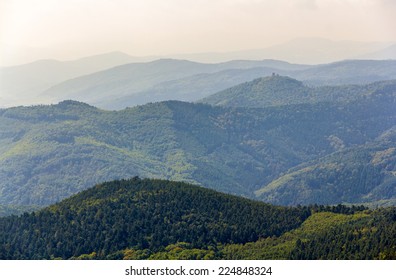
48 153
278 90
262 92
141 214
140 219
356 175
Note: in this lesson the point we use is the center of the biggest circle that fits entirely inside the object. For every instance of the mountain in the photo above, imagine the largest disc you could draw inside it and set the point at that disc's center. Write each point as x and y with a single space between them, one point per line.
48 153
135 82
349 72
140 83
141 219
23 84
278 90
318 50
262 92
190 89
351 175
299 50
383 54
132 84
359 174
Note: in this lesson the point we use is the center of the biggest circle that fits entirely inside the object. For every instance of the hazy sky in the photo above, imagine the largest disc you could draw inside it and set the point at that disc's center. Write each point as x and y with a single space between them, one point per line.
66 29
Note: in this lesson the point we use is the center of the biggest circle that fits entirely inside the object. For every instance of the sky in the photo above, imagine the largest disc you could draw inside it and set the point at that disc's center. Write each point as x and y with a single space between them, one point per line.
68 29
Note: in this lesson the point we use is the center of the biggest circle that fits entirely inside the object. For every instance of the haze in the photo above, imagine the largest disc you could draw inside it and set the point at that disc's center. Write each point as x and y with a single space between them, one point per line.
68 29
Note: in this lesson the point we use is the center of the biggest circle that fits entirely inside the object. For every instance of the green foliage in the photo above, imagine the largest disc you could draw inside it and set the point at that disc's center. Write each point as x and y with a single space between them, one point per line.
157 219
184 251
370 237
142 215
325 235
356 175
48 153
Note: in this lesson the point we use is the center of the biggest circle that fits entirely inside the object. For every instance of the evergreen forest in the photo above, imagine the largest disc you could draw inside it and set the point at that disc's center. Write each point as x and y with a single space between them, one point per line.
158 219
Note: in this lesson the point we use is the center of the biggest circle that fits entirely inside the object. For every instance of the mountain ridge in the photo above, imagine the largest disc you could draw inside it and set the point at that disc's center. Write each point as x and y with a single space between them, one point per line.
27 81
138 83
74 145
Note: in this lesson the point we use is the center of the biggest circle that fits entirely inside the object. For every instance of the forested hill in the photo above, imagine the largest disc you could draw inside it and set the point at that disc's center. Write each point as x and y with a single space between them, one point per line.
362 173
141 214
48 153
157 219
278 90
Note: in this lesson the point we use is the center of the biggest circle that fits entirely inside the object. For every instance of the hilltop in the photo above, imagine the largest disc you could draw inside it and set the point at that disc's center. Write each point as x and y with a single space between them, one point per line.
156 219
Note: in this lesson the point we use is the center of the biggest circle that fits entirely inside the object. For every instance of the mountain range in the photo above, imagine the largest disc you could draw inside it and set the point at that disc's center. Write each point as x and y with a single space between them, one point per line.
23 84
137 84
303 50
116 80
262 150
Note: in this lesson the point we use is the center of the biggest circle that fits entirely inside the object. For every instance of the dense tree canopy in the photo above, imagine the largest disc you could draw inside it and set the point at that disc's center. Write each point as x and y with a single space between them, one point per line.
48 153
156 219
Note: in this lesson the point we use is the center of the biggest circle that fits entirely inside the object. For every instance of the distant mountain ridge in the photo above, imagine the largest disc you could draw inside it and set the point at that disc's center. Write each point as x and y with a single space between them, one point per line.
137 84
308 50
139 78
24 83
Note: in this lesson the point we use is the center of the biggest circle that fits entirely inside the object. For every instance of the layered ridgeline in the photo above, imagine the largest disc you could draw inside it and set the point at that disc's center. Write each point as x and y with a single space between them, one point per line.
154 219
131 84
363 173
48 153
159 80
24 84
351 174
170 79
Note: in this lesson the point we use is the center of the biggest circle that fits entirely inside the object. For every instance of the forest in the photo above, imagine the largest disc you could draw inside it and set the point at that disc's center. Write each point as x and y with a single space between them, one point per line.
327 151
158 219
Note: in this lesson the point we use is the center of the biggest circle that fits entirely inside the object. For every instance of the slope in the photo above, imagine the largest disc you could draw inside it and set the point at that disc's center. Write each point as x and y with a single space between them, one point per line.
335 233
168 79
262 92
190 89
357 175
156 219
144 215
102 87
50 152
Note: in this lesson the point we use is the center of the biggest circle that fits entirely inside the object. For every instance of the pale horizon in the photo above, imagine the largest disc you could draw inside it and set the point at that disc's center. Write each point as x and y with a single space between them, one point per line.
68 30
